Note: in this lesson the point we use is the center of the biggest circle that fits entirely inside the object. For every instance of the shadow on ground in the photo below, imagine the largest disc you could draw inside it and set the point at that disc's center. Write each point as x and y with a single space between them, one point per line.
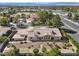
69 31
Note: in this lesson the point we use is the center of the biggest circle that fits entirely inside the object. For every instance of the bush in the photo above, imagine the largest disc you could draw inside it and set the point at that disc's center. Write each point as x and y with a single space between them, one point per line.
8 33
36 52
2 39
44 49
58 46
25 42
71 40
54 52
21 42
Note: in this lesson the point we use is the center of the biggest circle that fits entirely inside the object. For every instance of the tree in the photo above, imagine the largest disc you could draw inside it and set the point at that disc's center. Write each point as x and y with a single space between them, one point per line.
16 51
36 52
18 16
44 49
14 20
76 17
67 9
10 53
7 33
12 11
4 14
77 48
2 38
28 16
47 18
13 52
23 16
50 15
44 52
54 52
4 21
43 15
55 21
69 15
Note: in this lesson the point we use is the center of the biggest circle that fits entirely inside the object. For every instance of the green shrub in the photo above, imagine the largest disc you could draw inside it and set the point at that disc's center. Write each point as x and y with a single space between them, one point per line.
2 38
72 40
54 52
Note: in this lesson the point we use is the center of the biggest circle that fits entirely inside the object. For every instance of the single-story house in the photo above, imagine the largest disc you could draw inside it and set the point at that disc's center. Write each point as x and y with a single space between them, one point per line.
38 33
44 33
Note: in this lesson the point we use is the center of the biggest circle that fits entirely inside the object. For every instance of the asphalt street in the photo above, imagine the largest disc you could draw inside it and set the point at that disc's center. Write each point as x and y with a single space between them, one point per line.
69 25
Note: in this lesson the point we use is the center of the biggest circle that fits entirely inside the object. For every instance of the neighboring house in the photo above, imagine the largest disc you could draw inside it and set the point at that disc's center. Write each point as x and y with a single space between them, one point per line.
21 23
29 20
34 16
26 22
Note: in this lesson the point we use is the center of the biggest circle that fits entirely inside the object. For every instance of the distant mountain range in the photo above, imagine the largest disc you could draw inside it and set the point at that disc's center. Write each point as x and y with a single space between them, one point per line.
40 4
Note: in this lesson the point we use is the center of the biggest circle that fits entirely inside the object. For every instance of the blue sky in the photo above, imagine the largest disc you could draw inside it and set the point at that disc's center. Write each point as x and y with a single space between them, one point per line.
40 4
